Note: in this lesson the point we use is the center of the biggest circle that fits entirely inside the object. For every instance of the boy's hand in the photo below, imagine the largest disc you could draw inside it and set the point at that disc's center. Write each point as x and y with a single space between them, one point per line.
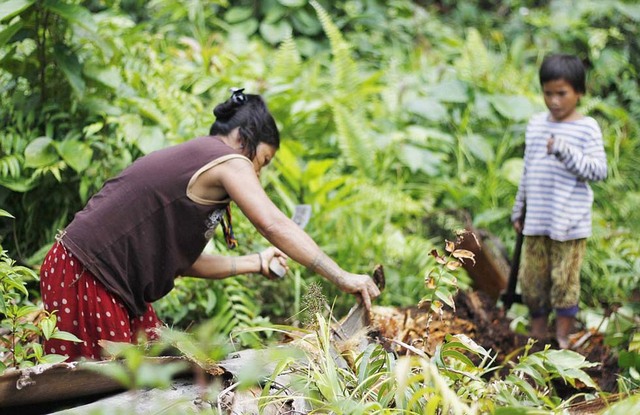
550 142
517 225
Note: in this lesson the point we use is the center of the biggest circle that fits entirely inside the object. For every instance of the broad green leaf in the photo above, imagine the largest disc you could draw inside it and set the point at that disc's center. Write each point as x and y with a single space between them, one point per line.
425 136
420 159
11 8
445 296
275 32
482 107
8 33
48 326
468 343
130 127
274 13
480 147
73 13
101 106
151 139
513 107
108 76
449 91
115 370
64 335
158 376
457 355
246 28
238 14
429 108
26 310
512 170
40 153
53 358
632 11
25 272
293 3
530 371
306 22
91 129
487 217
76 154
629 405
567 359
6 214
68 62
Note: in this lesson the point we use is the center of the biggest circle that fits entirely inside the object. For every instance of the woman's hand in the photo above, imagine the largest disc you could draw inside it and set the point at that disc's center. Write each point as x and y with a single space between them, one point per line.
361 285
265 258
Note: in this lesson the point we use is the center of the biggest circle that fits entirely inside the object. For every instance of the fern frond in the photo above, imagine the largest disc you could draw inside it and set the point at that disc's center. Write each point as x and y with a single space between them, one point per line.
475 63
345 71
287 60
240 307
10 165
353 139
391 198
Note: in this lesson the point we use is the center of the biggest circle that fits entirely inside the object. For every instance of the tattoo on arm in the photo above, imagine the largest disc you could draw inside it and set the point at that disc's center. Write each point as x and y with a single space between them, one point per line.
320 266
313 267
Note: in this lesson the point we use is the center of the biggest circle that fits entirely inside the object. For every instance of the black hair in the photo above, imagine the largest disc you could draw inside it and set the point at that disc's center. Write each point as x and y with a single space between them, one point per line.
566 67
250 113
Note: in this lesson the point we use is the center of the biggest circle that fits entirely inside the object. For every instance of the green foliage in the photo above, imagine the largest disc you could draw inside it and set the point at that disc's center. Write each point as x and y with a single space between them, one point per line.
457 379
395 118
628 405
132 369
440 283
20 333
232 302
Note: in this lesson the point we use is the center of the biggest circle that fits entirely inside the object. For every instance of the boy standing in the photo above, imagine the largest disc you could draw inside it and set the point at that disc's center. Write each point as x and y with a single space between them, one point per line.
563 152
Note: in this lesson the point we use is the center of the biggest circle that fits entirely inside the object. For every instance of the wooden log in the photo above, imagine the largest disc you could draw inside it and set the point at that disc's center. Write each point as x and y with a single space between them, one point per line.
58 382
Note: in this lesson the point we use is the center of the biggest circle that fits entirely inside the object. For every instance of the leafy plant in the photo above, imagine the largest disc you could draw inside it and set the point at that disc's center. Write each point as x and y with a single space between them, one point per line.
441 285
457 379
23 325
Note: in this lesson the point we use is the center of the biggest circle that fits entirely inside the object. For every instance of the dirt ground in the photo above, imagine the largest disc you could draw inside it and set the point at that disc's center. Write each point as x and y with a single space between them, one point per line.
478 317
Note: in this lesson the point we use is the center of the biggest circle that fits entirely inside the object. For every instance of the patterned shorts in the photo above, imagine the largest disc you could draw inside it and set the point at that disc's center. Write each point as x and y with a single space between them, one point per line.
86 309
550 275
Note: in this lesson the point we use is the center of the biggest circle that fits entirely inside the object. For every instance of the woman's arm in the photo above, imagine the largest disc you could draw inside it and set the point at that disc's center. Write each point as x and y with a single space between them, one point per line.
217 267
243 186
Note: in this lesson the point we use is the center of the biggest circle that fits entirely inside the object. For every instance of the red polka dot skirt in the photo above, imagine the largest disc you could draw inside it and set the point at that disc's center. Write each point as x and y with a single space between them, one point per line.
85 308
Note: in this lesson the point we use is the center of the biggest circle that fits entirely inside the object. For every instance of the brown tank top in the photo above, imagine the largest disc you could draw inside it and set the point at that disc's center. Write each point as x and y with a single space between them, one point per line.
141 230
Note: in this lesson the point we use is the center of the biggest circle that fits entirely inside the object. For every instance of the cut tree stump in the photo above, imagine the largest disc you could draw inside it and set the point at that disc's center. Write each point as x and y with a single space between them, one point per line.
490 273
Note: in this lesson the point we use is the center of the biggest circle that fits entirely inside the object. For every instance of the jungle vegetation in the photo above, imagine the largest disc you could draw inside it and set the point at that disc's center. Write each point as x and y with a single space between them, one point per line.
400 120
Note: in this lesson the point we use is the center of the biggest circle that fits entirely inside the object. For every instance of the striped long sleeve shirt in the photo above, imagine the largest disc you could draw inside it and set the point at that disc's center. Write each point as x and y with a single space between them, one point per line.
555 186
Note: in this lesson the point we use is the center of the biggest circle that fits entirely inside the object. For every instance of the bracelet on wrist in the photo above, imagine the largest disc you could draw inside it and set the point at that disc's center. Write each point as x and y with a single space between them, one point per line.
260 263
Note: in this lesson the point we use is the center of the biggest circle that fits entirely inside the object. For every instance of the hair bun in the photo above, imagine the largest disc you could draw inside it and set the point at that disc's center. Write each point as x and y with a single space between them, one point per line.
224 111
227 109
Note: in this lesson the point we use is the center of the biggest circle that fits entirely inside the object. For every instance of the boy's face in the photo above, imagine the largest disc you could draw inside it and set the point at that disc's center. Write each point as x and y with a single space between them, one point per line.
561 99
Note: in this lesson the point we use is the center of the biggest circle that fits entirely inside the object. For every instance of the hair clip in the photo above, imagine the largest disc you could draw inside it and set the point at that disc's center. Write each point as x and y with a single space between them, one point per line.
237 96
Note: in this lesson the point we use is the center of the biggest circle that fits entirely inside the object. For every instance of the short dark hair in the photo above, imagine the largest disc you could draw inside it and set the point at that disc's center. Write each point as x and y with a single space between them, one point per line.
563 66
252 116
